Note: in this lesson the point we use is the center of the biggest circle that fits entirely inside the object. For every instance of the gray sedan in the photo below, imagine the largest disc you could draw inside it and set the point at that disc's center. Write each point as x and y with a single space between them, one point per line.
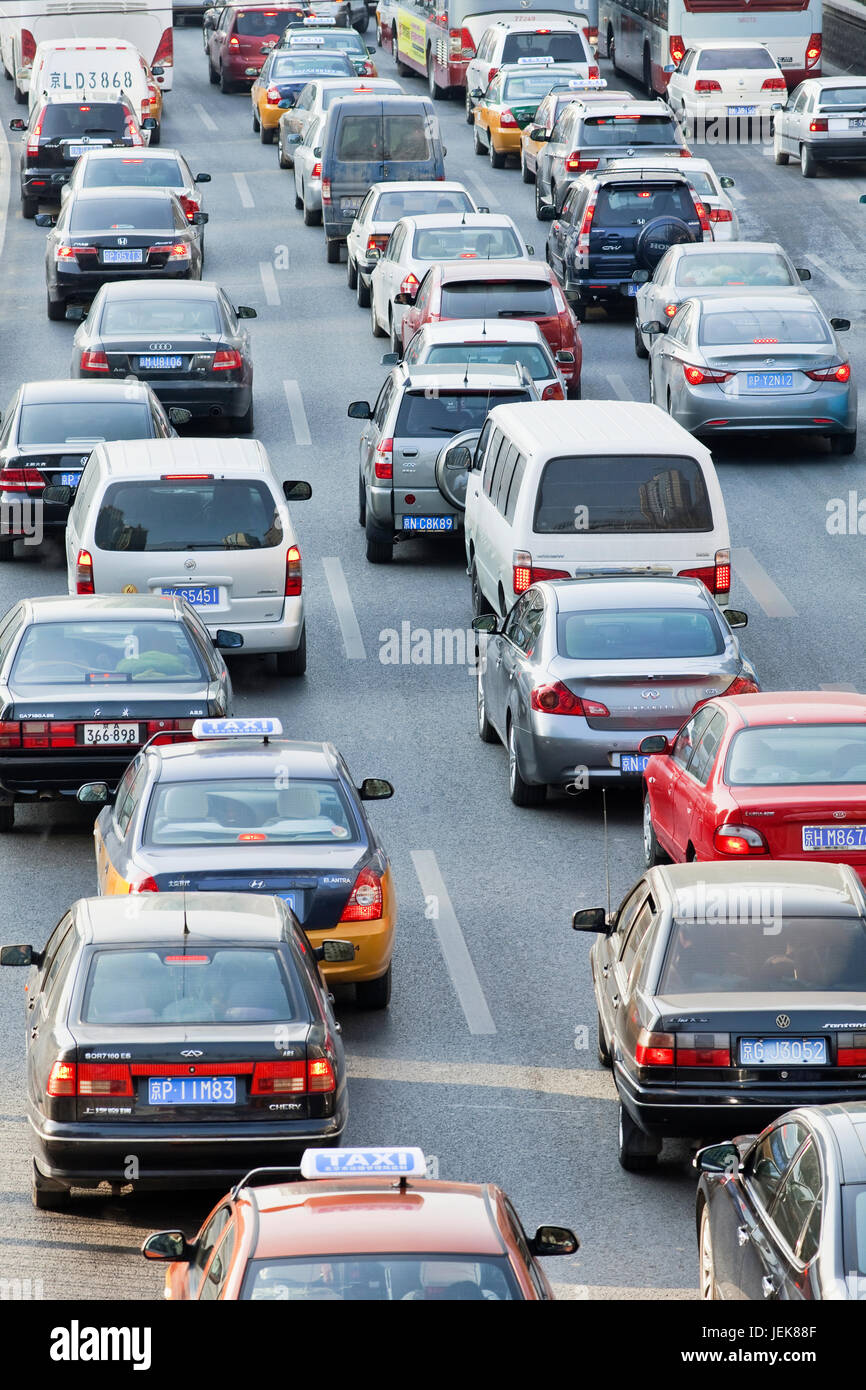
825 119
308 172
769 364
581 670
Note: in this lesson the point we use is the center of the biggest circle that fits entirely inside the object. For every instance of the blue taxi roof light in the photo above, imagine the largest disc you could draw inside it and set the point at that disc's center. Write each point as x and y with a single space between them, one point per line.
364 1163
237 728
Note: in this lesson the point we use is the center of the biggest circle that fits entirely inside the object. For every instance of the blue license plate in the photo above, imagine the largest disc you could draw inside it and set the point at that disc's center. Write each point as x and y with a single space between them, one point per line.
633 289
191 1090
741 110
781 1052
122 257
159 364
633 762
288 899
69 479
769 381
834 836
197 595
428 523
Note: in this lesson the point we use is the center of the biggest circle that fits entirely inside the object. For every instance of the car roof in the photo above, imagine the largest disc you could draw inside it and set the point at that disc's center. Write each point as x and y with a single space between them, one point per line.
542 16
54 392
638 173
634 106
659 162
595 426
623 591
453 375
413 185
246 757
377 84
476 331
727 43
49 608
845 1127
86 195
373 1216
460 219
715 303
159 289
99 99
823 706
564 69
804 889
150 457
728 248
192 919
517 268
841 81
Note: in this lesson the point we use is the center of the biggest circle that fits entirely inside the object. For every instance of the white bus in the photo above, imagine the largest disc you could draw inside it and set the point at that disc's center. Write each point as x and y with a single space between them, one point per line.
643 37
25 23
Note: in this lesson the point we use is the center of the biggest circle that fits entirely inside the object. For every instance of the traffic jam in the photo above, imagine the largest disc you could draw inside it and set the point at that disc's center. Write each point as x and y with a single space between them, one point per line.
249 940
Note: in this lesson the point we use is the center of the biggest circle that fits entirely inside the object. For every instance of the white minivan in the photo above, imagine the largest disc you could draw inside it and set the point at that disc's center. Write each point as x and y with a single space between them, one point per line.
569 489
78 70
202 518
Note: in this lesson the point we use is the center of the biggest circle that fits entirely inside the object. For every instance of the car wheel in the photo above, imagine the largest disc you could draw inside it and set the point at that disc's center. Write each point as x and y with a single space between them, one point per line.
648 76
29 208
707 1270
312 218
7 812
476 140
602 1051
573 389
363 24
243 424
497 160
640 348
637 1151
362 293
486 731
285 163
56 309
213 75
652 850
351 272
293 663
539 203
398 62
226 84
470 113
611 51
779 155
332 251
480 606
20 97
156 136
45 1195
437 93
375 328
522 793
7 552
379 552
299 202
374 994
266 135
843 443
396 340
526 174
808 163
362 503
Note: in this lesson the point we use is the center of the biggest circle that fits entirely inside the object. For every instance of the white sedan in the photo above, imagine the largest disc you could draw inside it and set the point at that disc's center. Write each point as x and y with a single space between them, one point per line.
380 212
725 80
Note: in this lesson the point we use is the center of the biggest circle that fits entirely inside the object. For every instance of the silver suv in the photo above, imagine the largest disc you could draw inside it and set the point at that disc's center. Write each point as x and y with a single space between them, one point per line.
405 487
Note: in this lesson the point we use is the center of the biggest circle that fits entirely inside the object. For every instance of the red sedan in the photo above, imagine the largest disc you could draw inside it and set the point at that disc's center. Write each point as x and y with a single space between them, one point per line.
494 290
780 775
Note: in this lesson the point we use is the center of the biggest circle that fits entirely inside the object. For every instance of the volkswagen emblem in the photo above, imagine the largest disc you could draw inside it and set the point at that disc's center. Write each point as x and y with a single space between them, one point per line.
189 564
783 1021
840 815
191 1052
650 694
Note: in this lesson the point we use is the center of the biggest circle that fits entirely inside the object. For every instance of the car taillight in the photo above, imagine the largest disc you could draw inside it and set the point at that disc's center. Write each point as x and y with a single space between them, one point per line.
145 885
467 43
104 1079
273 96
703 1049
851 1049
491 73
525 573
813 50
556 698
703 218
841 372
190 206
553 392
70 253
365 900
721 215
227 360
294 574
593 72
670 310
739 839
93 360
773 84
320 1076
409 285
377 242
234 42
676 48
164 55
326 190
84 573
133 134
28 47
383 460
716 577
178 252
38 733
581 255
367 69
61 1079
278 1078
506 117
575 164
707 84
33 137
10 733
654 1049
702 376
316 171
20 479
820 123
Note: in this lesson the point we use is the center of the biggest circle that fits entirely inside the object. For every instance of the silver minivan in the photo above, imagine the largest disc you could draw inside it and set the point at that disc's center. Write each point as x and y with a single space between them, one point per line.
202 518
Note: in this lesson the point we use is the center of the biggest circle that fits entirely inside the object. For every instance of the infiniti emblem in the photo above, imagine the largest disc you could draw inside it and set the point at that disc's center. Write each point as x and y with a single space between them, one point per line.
189 564
783 1021
650 694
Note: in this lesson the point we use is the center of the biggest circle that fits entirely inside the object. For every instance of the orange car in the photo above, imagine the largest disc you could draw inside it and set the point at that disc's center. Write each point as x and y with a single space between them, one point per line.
362 1224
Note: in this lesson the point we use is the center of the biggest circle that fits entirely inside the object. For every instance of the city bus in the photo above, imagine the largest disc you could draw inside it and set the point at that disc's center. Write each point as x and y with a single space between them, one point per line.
643 37
25 23
437 38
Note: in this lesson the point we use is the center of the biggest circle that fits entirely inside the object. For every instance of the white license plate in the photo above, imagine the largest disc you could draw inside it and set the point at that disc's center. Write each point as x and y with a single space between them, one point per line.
350 204
110 733
76 151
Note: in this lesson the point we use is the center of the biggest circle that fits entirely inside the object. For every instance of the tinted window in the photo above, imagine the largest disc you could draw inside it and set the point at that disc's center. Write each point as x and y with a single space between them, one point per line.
638 635
262 23
842 96
302 63
770 1158
622 494
801 1192
562 47
528 87
792 755
636 935
725 59
480 299
84 423
204 1248
497 354
121 214
342 40
57 966
226 984
381 1279
133 172
60 119
801 955
514 490
159 316
633 207
421 415
219 1267
107 653
630 130
725 267
689 735
392 206
762 325
390 137
705 753
449 243
221 514
250 812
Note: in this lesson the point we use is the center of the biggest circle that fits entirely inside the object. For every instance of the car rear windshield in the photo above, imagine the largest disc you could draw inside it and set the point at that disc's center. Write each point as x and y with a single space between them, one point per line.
529 355
794 755
448 413
83 424
748 326
188 983
124 214
130 172
622 493
451 243
631 206
797 956
725 59
564 47
842 96
532 87
390 207
491 299
305 61
630 130
66 118
260 24
702 183
250 812
126 652
376 137
381 1279
215 514
159 316
734 268
638 634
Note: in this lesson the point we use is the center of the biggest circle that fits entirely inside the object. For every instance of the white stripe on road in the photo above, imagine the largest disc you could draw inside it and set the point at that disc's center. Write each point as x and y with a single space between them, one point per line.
457 958
618 386
269 282
551 1081
206 120
342 600
246 197
842 686
298 415
832 274
484 194
597 1292
760 585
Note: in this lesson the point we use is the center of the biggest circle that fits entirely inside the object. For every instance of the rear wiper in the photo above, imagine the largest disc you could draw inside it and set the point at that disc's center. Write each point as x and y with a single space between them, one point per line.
95 130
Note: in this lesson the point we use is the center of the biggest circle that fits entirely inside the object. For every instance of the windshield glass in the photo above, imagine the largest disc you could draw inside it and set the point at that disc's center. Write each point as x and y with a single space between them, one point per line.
564 47
66 119
530 86
452 243
743 327
794 755
122 215
381 1279
622 493
159 316
799 954
249 812
136 651
344 40
83 423
261 24
631 206
130 172
734 268
309 62
446 414
637 635
226 984
212 514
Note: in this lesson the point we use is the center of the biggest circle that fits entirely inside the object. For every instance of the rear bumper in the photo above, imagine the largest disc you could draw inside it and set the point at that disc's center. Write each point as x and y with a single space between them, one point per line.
17 507
282 636
823 150
84 285
546 756
717 1113
798 413
374 942
202 398
235 66
30 775
44 184
592 288
505 141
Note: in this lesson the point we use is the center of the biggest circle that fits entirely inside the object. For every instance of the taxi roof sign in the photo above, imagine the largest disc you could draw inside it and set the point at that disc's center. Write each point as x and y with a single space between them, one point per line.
237 728
319 19
363 1163
538 62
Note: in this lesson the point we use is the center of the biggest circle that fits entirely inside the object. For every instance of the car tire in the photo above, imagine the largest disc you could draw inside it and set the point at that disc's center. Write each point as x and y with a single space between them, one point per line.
437 93
213 75
480 606
332 251
486 731
843 443
602 1051
55 308
573 391
652 851
29 208
243 424
637 1151
526 174
396 341
401 67
46 1195
266 134
363 25
362 292
611 51
20 97
285 163
779 156
808 163
7 812
379 552
293 663
497 160
226 84
706 1262
362 503
375 327
640 349
299 202
374 994
351 272
470 111
156 136
476 139
313 218
522 793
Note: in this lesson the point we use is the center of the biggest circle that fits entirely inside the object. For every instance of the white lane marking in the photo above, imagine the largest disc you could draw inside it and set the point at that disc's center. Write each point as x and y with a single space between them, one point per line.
768 152
457 958
842 685
295 402
484 194
555 1081
832 274
735 193
246 197
5 186
344 608
207 121
760 585
269 282
596 1292
618 385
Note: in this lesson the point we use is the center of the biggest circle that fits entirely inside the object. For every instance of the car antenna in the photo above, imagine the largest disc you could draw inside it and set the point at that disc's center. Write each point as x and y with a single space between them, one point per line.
606 854
484 328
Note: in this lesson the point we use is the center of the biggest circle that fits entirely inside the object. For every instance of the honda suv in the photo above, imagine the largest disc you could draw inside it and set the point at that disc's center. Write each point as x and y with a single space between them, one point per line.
611 224
58 132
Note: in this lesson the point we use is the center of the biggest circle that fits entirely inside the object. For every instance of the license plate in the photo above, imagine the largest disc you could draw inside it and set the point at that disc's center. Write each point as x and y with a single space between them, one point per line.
769 381
632 290
197 595
69 479
834 836
633 762
428 523
159 364
856 122
288 899
76 151
111 733
741 110
350 204
191 1090
780 1052
130 257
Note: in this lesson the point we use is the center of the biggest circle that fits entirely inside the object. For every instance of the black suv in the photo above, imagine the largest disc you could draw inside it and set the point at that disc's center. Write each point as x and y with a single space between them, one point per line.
59 131
610 224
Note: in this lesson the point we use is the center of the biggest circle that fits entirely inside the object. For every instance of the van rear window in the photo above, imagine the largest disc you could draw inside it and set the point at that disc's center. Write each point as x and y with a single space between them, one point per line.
630 206
261 24
492 299
211 514
375 137
621 494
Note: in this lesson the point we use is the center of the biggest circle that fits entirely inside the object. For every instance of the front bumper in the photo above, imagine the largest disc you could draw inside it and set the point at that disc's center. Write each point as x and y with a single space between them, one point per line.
798 412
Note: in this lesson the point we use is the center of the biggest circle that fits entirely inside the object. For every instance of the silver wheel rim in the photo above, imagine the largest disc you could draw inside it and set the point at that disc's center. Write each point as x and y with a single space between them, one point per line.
647 831
512 759
480 703
707 1278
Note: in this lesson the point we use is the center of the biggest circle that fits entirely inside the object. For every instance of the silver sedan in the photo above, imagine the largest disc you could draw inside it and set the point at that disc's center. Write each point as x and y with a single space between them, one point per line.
769 364
308 173
581 670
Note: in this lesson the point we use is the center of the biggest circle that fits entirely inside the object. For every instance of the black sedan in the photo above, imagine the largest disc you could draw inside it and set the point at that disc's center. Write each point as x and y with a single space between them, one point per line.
188 342
101 236
727 993
178 1044
780 1216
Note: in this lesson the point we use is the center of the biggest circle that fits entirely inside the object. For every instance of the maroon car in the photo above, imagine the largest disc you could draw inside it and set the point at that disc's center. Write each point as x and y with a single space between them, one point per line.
238 47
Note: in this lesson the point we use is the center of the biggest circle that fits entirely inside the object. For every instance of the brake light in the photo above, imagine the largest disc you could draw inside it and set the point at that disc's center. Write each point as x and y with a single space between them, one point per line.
234 42
10 734
61 1079
553 392
47 734
28 48
33 137
93 360
581 255
721 215
320 1076
773 84
273 96
575 164
467 42
717 577
506 117
133 134
20 479
676 48
178 252
84 573
707 84
278 1078
703 218
654 1049
146 885
840 373
294 576
367 69
524 573
813 50
741 686
326 190
227 360
491 73
851 1049
739 840
670 310
377 242
365 899
702 376
410 284
593 72
383 460
556 698
164 55
104 1079
703 1050
190 206
819 124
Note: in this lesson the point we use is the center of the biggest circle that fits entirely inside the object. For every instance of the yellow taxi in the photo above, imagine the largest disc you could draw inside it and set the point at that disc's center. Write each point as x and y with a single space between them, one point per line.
151 105
511 100
234 807
284 74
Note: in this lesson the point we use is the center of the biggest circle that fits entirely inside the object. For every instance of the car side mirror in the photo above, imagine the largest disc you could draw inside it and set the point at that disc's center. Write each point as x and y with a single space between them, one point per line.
226 641
554 1240
317 152
168 1245
243 311
483 209
335 951
61 495
93 794
530 250
547 212
202 178
200 218
669 67
390 359
297 491
564 357
726 182
486 622
458 457
777 106
537 133
17 124
45 219
375 789
807 274
149 123
360 410
654 743
404 297
19 955
178 415
735 618
718 1158
591 919
76 313
640 277
158 71
840 325
653 327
